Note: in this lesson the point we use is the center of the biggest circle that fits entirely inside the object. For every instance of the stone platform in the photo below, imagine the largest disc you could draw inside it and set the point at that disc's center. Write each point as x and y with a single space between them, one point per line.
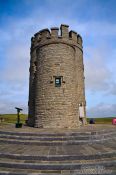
87 150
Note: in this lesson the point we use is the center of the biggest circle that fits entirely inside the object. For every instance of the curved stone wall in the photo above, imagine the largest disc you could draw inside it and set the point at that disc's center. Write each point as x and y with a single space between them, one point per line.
56 59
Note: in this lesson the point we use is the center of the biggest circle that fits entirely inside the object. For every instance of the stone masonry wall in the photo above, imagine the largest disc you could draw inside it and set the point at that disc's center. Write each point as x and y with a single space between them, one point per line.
56 56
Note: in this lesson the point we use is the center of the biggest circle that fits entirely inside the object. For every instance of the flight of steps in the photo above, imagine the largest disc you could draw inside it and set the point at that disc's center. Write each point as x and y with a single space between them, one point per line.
56 153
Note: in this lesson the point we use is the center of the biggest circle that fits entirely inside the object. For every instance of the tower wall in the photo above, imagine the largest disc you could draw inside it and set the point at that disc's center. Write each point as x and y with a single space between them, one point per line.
56 58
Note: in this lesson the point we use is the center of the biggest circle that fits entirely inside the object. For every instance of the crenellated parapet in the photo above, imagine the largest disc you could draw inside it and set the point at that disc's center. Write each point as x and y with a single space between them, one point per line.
56 35
56 84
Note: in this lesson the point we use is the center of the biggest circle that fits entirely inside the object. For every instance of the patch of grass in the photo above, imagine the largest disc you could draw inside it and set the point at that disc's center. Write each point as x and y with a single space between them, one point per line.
12 118
107 120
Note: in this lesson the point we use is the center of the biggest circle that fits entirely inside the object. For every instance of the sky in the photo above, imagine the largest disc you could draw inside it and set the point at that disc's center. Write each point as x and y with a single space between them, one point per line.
94 20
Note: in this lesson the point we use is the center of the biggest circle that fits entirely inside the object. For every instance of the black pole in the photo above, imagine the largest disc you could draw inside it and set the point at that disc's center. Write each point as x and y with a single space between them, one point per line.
18 124
18 117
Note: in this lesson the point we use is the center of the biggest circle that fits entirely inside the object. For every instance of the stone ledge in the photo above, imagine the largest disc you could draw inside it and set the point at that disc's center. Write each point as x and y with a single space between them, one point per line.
59 157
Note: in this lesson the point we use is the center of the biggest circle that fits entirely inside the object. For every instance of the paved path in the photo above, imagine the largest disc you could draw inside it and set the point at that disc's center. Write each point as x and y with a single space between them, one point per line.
87 150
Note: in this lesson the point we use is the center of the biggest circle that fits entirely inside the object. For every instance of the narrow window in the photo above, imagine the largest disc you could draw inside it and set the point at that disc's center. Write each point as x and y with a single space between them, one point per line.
57 81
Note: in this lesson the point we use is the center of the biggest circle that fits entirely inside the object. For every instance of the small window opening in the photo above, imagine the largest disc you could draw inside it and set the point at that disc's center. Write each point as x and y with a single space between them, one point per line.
57 81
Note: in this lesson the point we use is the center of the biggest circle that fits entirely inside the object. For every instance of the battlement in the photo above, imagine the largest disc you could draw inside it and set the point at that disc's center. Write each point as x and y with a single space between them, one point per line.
57 34
56 86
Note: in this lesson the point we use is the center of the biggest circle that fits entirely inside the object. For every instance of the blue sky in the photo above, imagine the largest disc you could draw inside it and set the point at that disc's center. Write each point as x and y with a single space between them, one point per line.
95 20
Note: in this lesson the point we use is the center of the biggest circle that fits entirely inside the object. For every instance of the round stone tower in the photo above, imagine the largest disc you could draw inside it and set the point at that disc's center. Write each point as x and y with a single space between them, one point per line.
56 86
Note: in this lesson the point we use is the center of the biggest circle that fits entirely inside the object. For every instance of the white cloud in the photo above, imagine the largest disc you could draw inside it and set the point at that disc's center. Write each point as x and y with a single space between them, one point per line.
97 73
16 37
112 90
17 63
8 107
102 110
100 29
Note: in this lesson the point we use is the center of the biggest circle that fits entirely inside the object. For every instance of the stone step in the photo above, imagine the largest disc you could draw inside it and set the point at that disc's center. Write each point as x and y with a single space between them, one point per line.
63 152
54 142
56 166
110 155
41 162
58 138
84 170
58 134
45 150
12 171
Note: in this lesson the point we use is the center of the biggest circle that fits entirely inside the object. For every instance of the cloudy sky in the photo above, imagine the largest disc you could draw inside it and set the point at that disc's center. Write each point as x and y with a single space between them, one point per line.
95 20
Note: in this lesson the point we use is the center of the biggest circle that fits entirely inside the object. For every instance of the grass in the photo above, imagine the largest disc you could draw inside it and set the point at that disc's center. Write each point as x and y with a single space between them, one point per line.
107 120
12 118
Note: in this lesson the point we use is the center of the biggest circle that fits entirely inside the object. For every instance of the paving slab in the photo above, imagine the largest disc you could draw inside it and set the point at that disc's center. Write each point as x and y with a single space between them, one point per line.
21 155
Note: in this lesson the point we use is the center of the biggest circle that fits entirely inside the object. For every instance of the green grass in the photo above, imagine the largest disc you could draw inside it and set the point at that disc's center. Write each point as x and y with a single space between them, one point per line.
12 118
107 120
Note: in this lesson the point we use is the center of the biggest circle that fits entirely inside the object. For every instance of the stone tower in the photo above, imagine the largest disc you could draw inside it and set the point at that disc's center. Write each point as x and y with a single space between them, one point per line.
56 85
